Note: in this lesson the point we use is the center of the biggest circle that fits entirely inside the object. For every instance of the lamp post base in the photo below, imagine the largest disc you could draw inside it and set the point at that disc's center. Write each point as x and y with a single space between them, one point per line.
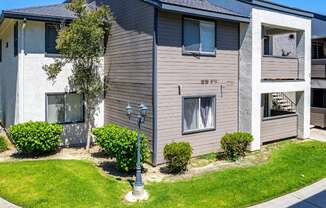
138 194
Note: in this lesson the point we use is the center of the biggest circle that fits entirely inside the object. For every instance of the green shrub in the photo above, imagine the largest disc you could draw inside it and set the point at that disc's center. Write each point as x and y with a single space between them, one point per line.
235 145
3 144
178 156
121 143
36 137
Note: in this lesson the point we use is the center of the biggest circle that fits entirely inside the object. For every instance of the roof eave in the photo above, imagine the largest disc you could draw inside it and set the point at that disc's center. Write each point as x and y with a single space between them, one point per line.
16 15
279 7
197 12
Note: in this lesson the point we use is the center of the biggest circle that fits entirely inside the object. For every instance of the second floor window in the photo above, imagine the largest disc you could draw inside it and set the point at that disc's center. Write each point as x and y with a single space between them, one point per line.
198 36
51 34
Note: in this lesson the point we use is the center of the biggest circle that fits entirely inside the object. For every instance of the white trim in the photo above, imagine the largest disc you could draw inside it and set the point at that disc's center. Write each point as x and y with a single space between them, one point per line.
260 18
21 63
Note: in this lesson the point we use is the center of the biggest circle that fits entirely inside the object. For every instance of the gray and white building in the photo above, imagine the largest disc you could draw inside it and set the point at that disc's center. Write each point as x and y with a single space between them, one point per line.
203 67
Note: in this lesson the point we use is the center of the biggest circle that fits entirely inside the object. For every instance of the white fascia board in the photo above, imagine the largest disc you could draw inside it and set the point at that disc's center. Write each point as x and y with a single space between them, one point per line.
294 86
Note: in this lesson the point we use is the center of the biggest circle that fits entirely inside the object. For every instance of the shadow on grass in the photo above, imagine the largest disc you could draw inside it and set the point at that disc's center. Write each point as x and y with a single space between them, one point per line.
23 155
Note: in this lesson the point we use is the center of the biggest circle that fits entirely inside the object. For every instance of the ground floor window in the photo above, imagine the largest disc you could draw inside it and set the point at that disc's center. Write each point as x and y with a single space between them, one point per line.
65 108
318 98
198 114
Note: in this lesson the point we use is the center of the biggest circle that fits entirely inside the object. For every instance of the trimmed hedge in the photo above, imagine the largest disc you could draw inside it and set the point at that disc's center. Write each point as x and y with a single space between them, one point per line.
121 143
3 144
36 137
235 144
178 156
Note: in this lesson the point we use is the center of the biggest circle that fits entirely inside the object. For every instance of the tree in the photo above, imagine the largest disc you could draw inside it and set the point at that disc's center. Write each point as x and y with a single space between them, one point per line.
80 43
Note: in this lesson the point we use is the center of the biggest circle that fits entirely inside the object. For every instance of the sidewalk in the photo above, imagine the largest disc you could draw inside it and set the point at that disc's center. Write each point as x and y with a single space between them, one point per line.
5 204
313 196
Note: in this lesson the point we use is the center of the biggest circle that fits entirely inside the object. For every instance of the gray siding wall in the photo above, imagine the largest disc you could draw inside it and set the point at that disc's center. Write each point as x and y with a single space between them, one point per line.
318 71
318 117
279 68
279 128
129 62
174 69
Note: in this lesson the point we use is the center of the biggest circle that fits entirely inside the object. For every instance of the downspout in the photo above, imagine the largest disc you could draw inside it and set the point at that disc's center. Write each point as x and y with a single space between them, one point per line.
21 73
154 89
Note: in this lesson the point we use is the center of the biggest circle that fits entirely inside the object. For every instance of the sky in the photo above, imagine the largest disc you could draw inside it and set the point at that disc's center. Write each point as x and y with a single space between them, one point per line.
318 6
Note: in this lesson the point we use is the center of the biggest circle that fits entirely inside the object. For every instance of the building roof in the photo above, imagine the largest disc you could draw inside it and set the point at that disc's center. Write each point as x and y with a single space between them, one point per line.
203 8
56 12
201 4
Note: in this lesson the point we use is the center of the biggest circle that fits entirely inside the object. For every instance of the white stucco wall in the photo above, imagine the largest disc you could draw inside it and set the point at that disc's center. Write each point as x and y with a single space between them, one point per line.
33 83
8 75
253 113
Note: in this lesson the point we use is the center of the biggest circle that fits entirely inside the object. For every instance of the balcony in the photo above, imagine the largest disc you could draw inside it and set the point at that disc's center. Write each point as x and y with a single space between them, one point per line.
283 54
318 68
318 71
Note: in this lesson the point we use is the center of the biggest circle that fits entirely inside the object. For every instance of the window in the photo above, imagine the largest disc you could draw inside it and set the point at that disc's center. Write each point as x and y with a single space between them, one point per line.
51 34
268 46
16 39
318 98
198 114
0 50
318 50
198 36
65 108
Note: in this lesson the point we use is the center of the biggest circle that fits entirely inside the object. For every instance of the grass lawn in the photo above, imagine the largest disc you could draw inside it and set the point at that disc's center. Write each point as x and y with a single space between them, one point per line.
81 184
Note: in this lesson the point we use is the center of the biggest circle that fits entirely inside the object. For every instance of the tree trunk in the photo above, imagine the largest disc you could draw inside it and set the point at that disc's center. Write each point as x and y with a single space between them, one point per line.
88 124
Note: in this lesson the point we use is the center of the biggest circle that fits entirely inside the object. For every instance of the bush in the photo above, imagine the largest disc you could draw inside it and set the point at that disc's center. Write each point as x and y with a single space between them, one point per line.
235 145
3 144
121 143
36 137
178 156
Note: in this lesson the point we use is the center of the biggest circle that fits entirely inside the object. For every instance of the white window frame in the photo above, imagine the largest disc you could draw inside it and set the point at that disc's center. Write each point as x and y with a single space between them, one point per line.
200 52
184 132
65 98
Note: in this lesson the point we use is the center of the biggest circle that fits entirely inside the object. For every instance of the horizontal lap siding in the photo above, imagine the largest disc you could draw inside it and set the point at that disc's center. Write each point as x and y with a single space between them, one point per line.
129 62
175 69
318 71
279 68
318 117
281 128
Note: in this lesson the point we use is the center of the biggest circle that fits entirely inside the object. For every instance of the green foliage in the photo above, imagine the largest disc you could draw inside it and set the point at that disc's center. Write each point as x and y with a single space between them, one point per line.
121 143
36 137
178 156
235 145
3 144
80 43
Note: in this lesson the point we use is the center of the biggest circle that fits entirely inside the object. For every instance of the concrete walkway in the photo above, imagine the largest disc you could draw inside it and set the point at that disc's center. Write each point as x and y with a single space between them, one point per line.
5 204
313 196
318 134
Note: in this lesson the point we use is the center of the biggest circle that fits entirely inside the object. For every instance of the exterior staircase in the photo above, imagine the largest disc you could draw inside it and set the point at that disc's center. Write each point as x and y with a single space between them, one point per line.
281 102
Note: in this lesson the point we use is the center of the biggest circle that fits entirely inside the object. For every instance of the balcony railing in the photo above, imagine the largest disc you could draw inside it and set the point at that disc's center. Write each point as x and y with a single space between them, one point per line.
279 127
280 68
318 69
